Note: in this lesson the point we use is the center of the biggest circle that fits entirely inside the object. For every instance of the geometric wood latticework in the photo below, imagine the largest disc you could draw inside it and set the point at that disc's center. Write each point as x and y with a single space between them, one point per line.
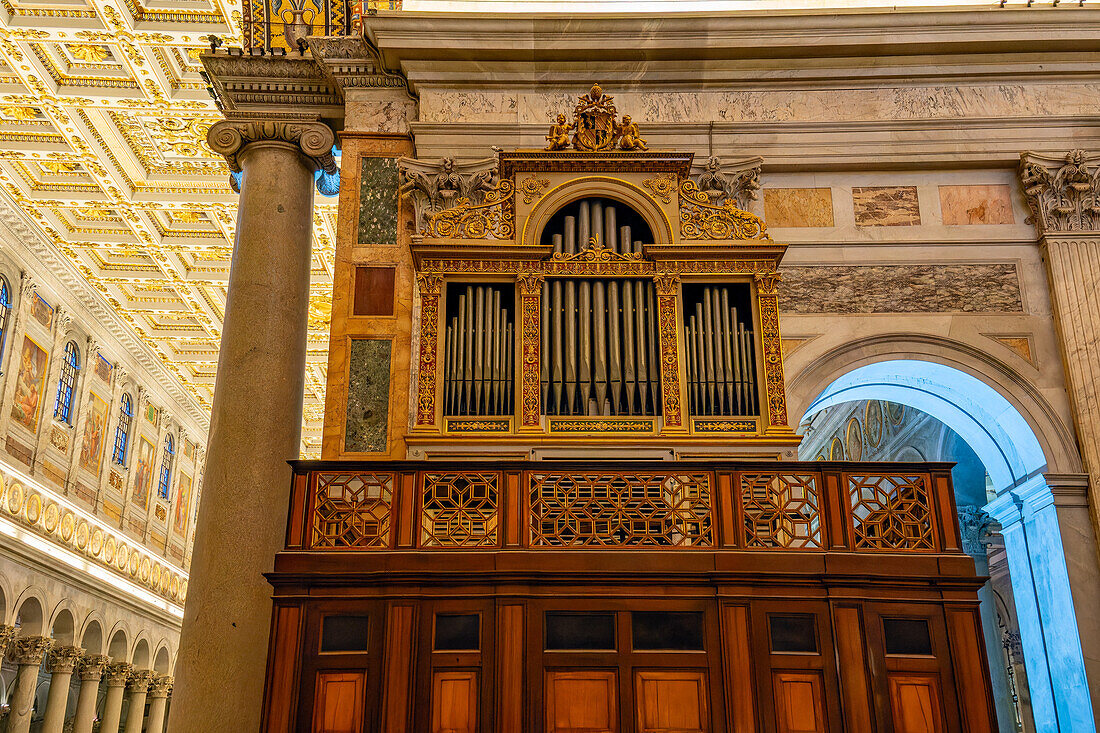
352 510
459 510
890 512
629 509
781 510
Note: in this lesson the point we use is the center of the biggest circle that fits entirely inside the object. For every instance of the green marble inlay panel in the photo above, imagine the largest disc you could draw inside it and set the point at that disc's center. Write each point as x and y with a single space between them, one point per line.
368 396
378 201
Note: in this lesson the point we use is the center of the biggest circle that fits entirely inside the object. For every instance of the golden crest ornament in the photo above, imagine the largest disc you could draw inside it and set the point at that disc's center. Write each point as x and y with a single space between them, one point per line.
595 121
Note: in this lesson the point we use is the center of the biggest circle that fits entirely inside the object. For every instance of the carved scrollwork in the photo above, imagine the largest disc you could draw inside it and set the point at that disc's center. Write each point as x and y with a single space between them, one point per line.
491 219
313 138
595 253
437 185
700 219
662 187
723 181
1063 194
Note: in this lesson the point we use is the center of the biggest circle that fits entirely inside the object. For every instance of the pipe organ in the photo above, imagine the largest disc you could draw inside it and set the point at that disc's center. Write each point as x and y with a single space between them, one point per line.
560 492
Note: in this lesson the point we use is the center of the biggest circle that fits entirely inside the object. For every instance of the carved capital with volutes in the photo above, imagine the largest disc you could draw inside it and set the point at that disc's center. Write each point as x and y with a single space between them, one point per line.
666 283
140 680
161 686
530 283
429 282
27 283
91 667
117 674
767 283
313 138
6 634
1063 192
63 659
29 650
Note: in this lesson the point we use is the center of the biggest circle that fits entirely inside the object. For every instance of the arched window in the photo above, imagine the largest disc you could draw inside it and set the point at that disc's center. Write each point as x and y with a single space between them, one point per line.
5 313
122 432
166 468
63 408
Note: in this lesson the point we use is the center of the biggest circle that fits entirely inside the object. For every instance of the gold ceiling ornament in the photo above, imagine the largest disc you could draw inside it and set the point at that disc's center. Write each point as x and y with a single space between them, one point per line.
595 127
19 112
700 219
88 52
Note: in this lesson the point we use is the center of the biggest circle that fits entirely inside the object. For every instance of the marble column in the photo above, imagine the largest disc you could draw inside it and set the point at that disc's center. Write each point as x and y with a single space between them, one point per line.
255 424
27 652
115 675
91 672
159 691
60 662
139 687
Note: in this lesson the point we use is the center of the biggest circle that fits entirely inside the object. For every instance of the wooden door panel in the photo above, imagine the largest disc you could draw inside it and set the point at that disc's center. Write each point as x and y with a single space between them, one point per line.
915 703
672 702
454 702
339 702
799 702
582 701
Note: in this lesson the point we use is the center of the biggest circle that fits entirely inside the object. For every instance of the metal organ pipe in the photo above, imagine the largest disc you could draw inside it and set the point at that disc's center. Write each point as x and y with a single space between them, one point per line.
718 350
629 370
477 373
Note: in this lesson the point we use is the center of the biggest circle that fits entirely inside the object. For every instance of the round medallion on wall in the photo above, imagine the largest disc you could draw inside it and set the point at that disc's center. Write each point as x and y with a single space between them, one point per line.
836 450
155 574
52 517
109 550
853 437
896 412
82 534
97 541
68 524
33 510
135 563
872 423
183 591
174 586
122 555
15 498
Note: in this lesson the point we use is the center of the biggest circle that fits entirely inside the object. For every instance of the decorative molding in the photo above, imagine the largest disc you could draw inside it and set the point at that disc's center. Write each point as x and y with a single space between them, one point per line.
63 659
437 185
1063 193
701 219
117 674
91 667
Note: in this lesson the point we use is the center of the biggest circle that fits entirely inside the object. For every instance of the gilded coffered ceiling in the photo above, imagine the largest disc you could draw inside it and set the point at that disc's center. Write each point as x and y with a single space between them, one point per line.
103 117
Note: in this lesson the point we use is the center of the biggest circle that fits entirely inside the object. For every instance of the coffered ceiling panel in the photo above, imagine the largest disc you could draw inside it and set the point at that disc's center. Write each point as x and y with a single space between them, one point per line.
103 118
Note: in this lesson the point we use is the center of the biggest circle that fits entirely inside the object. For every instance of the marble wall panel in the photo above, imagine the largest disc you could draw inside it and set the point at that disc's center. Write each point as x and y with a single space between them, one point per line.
798 207
882 103
965 205
886 206
945 288
368 405
378 201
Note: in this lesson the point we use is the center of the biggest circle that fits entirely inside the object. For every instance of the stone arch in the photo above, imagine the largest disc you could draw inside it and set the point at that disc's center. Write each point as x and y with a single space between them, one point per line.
603 186
162 660
118 649
142 656
63 626
30 613
5 600
91 636
1055 441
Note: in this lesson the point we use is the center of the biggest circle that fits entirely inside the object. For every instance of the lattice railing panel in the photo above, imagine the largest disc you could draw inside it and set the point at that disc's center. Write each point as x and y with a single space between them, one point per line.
628 509
781 510
891 512
352 510
459 509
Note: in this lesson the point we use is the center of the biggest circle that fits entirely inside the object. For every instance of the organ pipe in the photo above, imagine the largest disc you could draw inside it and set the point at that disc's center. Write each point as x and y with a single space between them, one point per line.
477 364
719 354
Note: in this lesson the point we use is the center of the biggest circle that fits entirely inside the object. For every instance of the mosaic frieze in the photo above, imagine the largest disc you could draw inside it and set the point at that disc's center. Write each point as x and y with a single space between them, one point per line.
368 396
378 201
962 288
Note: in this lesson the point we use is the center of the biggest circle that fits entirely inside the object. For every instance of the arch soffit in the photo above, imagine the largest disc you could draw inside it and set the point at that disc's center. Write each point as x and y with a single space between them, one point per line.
64 606
38 595
85 627
7 601
120 627
162 648
1054 437
591 186
142 639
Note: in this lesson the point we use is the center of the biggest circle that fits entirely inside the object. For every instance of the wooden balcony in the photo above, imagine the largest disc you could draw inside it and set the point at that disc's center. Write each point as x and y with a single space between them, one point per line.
622 506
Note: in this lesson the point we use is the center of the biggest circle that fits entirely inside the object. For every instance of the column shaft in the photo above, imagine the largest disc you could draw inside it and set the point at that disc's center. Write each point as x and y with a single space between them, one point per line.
255 427
91 671
61 662
158 704
117 674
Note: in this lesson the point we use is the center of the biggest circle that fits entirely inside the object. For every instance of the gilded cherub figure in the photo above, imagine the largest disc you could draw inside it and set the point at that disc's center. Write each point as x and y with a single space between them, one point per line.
630 137
559 134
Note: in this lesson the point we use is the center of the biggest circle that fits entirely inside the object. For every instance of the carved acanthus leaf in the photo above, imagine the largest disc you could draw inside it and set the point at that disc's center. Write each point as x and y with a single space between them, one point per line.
1063 193
721 180
438 185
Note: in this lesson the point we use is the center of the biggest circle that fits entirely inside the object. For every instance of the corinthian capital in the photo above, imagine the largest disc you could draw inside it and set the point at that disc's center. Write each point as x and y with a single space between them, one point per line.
91 666
313 138
63 659
1063 192
117 673
29 649
141 679
6 634
161 686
